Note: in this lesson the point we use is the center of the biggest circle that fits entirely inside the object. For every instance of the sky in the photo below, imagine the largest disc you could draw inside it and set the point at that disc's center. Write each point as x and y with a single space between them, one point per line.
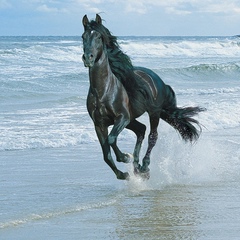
121 17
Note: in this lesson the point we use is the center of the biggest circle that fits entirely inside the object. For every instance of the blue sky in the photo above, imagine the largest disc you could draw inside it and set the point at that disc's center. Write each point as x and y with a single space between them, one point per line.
122 17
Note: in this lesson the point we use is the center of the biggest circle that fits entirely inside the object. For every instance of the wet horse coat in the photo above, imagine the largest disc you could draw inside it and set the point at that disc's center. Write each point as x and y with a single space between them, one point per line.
119 93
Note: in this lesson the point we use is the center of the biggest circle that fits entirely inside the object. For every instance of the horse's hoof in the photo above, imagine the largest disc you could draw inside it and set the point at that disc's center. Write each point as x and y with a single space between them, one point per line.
145 175
127 158
136 170
123 176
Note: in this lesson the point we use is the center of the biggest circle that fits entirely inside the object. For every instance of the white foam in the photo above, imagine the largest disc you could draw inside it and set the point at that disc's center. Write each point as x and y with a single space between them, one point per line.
189 48
46 127
176 162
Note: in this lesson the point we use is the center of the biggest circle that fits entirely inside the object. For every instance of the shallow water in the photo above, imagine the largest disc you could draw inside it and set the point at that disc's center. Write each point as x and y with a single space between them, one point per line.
71 194
54 182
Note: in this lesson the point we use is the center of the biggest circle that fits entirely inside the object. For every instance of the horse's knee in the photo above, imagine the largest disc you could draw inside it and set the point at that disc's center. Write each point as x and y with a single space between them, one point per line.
111 139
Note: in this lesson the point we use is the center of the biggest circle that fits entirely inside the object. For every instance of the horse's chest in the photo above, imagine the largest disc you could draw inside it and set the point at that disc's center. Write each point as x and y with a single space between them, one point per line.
98 111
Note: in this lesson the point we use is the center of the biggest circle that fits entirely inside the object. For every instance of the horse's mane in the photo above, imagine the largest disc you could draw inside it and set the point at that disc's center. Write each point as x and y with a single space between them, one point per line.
119 62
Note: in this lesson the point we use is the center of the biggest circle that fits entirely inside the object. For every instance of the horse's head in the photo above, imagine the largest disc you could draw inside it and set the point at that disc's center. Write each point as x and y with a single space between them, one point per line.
92 41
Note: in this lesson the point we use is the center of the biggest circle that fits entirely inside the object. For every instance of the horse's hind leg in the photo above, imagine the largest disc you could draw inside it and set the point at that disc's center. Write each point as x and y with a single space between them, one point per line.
152 139
139 129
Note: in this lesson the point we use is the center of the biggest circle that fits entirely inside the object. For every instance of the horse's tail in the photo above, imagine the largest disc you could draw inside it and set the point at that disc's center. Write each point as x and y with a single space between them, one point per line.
181 118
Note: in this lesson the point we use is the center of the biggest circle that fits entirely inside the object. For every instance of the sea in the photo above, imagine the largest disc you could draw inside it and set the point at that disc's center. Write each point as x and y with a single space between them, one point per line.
54 183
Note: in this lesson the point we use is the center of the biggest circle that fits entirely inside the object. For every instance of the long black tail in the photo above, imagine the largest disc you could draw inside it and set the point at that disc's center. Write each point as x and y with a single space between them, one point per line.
181 118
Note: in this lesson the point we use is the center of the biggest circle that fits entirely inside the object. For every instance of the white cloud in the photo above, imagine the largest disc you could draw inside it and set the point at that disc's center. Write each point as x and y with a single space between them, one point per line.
92 9
136 6
222 6
87 1
172 10
45 8
170 6
185 6
175 7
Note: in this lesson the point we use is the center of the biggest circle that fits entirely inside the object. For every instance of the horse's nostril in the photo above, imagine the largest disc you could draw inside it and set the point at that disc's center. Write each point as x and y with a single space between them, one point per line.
90 56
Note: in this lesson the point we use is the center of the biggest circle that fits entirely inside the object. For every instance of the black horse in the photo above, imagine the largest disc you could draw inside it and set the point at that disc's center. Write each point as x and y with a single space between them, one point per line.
120 92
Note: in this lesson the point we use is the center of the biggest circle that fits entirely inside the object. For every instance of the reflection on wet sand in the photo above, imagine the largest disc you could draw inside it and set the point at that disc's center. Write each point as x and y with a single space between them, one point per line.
176 212
167 214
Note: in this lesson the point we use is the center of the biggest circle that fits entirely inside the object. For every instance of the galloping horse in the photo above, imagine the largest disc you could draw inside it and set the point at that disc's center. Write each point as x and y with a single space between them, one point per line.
120 92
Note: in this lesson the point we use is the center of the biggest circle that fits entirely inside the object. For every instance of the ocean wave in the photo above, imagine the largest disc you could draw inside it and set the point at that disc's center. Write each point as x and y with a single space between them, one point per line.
71 126
58 213
224 67
41 54
53 53
42 74
45 128
209 91
219 71
220 115
190 48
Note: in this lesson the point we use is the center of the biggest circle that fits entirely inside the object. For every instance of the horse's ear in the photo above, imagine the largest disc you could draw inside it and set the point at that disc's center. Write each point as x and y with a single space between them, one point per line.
85 21
98 19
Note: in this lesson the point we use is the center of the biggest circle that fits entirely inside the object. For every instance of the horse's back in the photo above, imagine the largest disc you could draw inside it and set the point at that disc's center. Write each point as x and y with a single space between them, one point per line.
158 82
154 89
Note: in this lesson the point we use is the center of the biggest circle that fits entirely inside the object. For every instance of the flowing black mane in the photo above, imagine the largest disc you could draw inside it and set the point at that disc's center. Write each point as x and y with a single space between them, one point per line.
120 63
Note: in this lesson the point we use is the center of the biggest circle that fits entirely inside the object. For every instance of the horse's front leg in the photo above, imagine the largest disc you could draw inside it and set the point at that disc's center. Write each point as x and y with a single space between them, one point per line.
102 134
121 157
120 123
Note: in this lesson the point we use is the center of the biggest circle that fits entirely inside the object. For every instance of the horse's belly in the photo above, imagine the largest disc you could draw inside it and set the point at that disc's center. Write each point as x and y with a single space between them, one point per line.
137 107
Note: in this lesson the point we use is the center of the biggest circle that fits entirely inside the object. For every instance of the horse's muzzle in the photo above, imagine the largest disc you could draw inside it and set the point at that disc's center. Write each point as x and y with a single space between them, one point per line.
88 61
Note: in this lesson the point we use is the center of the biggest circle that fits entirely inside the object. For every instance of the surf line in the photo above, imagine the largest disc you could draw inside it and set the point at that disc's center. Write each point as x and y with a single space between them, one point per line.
45 216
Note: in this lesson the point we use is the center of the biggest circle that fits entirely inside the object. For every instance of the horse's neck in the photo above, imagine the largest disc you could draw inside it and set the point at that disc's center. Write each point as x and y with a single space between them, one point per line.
101 76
